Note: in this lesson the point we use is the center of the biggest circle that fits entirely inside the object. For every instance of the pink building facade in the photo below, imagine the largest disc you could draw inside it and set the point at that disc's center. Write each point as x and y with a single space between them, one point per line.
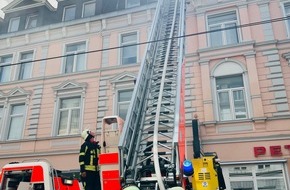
237 85
238 79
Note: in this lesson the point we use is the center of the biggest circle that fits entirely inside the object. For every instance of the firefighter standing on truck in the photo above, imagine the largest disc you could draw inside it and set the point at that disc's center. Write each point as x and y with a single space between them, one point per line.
88 160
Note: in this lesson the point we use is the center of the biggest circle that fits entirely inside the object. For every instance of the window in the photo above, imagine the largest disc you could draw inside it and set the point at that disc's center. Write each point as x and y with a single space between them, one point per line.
69 116
89 9
16 122
129 50
124 98
287 14
31 21
231 97
14 24
5 68
132 3
69 98
75 59
221 35
256 177
25 70
1 116
69 13
12 113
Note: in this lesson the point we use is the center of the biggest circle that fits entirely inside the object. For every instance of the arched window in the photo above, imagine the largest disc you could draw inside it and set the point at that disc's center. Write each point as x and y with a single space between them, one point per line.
230 96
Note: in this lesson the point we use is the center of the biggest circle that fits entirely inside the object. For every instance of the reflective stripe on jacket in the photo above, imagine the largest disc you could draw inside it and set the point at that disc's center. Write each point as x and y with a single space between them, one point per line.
88 157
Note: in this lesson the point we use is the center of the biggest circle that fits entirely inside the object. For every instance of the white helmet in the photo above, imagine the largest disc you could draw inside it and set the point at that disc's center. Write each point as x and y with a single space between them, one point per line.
130 187
176 188
85 133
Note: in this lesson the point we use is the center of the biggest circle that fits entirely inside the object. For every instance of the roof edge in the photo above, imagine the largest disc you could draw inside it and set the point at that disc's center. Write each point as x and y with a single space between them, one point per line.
50 4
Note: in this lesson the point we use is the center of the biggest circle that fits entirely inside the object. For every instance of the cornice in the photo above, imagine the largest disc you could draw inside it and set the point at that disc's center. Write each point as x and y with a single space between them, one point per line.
221 4
97 18
246 139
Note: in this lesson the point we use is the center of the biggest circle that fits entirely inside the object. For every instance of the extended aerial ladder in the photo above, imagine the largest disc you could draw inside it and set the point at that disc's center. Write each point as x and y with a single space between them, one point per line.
151 150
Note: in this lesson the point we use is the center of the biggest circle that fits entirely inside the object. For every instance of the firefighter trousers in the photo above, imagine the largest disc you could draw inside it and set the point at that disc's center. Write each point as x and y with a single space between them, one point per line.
91 181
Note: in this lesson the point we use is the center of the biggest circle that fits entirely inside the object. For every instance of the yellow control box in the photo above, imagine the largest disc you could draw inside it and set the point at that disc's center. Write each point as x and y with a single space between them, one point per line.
205 176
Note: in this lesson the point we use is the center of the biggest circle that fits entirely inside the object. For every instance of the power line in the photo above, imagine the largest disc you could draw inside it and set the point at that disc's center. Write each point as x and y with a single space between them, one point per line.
155 41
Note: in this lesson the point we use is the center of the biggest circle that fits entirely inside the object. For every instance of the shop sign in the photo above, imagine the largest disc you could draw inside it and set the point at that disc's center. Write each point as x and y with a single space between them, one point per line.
274 150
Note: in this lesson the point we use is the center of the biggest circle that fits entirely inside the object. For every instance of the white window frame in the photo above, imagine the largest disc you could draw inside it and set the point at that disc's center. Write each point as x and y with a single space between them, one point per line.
84 10
16 96
223 32
122 82
25 65
230 92
75 55
69 119
253 170
132 5
2 108
12 116
123 102
128 43
29 20
65 11
6 67
287 22
232 69
11 22
68 90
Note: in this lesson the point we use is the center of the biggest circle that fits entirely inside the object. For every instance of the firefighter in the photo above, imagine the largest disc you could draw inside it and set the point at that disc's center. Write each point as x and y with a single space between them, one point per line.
88 160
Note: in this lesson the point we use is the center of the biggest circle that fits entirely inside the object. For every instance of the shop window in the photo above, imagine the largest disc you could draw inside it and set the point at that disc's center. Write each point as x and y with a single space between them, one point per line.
5 68
218 33
270 176
75 57
129 49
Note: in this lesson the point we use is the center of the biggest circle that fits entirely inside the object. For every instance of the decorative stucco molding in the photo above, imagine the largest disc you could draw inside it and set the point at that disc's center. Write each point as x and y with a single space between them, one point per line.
70 86
287 57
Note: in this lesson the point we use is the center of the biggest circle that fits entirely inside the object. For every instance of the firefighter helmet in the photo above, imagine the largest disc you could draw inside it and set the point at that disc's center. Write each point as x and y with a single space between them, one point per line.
130 187
85 133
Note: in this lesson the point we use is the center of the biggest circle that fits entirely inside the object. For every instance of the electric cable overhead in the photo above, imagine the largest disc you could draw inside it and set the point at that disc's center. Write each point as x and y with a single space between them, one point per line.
154 41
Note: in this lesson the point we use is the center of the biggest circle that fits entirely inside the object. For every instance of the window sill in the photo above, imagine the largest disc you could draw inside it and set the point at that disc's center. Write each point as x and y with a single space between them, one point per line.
213 123
228 50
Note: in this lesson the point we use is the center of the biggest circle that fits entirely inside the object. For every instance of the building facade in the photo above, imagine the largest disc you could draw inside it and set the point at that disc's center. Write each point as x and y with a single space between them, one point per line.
65 64
238 74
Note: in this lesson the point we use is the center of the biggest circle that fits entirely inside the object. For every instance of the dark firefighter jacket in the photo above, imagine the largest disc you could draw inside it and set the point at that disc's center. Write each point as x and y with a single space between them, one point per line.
88 158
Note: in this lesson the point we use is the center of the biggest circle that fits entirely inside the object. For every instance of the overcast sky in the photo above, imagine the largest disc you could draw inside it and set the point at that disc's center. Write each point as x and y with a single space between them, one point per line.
2 4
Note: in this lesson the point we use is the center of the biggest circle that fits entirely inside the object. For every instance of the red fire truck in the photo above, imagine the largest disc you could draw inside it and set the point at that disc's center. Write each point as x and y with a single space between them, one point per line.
35 175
